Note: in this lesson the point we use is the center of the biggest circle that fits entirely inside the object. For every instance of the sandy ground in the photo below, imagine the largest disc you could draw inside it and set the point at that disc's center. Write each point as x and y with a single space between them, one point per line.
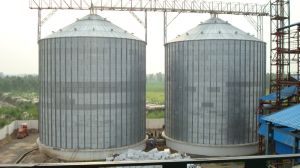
11 151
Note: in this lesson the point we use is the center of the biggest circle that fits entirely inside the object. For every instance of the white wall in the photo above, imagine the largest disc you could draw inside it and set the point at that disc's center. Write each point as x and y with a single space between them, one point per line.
155 123
33 124
9 129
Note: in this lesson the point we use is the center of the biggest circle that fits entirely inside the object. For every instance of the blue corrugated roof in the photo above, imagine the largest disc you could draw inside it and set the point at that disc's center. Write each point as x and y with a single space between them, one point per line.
284 93
289 117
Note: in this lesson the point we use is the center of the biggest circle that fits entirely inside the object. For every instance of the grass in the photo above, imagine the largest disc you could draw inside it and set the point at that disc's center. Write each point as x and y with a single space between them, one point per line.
22 112
155 93
155 114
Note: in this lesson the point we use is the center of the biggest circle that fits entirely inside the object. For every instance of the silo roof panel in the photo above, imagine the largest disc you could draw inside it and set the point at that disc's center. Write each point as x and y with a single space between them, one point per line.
215 28
92 26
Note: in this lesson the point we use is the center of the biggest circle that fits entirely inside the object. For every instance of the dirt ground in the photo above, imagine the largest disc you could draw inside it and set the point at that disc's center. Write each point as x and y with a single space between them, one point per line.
11 152
14 148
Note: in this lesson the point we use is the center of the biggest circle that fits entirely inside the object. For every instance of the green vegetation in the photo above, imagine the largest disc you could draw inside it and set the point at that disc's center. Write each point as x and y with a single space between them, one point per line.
19 84
155 93
155 89
24 112
155 114
17 96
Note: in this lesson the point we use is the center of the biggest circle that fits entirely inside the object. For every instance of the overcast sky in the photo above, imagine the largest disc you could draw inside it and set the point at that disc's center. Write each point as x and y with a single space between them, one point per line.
18 32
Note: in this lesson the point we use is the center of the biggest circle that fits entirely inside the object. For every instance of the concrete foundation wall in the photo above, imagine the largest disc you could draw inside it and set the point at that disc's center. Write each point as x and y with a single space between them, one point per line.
155 123
9 129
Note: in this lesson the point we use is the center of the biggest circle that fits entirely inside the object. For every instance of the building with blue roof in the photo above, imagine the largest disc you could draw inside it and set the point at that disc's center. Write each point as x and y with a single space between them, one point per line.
282 130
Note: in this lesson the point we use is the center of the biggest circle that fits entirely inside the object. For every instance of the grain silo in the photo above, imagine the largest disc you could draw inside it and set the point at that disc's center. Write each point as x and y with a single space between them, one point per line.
92 91
215 74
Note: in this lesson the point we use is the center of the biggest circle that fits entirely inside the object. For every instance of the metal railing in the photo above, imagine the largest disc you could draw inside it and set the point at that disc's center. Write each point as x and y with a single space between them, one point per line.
259 161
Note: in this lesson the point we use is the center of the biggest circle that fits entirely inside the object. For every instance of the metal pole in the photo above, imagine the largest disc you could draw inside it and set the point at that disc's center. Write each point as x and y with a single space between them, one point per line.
39 24
146 27
165 27
267 145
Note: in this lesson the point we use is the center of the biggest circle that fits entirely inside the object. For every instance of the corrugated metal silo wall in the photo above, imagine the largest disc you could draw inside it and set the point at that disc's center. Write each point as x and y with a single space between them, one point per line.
92 92
212 90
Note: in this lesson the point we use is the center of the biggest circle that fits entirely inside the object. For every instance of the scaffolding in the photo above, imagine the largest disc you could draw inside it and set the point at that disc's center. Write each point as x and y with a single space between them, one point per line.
279 60
284 62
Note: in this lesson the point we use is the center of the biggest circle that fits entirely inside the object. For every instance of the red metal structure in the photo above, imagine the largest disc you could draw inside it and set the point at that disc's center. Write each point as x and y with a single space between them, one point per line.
284 61
279 59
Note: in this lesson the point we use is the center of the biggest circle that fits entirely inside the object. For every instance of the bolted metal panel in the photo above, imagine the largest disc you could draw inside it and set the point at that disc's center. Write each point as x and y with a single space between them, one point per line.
92 92
213 86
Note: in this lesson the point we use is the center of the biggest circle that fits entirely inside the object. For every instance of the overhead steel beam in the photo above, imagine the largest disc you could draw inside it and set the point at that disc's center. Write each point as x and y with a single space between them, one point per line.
144 24
257 25
194 6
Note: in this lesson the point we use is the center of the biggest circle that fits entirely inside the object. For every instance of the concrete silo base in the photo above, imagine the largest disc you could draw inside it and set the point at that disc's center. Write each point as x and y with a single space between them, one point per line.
86 154
212 150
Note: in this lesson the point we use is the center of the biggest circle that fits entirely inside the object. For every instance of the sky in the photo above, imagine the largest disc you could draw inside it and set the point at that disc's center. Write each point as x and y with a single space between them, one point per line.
18 31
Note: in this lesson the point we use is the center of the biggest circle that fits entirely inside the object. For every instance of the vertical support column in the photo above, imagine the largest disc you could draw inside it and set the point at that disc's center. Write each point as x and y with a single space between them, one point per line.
39 24
295 149
295 146
298 58
260 28
267 139
165 27
146 27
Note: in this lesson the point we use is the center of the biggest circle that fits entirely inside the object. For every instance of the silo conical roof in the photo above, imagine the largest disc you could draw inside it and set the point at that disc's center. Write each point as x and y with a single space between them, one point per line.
215 28
92 26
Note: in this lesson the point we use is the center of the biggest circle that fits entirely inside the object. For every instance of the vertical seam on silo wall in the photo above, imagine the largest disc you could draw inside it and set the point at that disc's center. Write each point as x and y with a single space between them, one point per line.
42 87
192 104
216 94
55 91
172 93
65 94
110 113
71 89
222 91
116 92
166 87
209 108
186 76
138 95
182 92
256 96
47 102
228 93
198 89
78 91
103 93
90 84
84 91
135 91
204 81
249 91
121 110
130 91
50 94
126 93
97 90
235 88
242 137
255 80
